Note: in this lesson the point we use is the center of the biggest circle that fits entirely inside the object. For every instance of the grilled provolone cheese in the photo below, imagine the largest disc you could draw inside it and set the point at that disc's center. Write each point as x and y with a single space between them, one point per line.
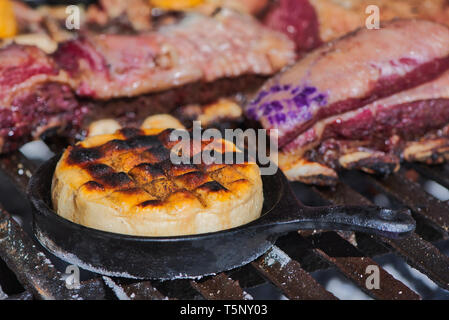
127 183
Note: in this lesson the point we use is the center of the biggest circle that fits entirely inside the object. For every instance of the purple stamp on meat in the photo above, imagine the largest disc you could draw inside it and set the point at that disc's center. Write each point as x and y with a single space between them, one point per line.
282 103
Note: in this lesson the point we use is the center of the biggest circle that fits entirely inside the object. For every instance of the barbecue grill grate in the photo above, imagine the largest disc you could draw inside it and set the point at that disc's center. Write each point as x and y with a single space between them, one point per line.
287 265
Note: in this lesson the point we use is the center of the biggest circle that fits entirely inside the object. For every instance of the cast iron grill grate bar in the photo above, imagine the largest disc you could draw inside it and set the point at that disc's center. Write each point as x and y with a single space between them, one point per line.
357 268
220 287
413 196
288 275
418 253
413 249
438 173
130 289
33 269
336 251
142 290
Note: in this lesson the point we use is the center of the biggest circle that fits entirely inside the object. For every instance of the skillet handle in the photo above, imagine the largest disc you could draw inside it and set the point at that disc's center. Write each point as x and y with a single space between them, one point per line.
369 219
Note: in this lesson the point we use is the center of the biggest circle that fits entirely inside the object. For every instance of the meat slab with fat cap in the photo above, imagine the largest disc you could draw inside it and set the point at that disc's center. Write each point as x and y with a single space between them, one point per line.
195 60
198 48
408 114
359 101
33 96
348 73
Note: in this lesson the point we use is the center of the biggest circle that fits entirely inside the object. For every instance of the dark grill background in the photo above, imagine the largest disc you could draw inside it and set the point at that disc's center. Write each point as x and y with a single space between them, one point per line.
298 267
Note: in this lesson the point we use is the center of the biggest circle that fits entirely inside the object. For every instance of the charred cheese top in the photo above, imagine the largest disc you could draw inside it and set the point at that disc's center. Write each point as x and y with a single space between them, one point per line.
126 183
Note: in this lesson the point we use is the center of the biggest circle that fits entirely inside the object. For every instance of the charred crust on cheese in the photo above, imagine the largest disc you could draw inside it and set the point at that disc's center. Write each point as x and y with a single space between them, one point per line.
130 191
116 144
159 153
212 186
134 142
115 180
98 169
150 203
192 179
164 138
133 178
144 142
82 155
93 186
151 171
175 170
130 132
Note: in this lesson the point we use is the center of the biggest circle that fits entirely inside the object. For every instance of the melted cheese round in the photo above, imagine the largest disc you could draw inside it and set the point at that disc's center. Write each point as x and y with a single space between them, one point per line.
126 183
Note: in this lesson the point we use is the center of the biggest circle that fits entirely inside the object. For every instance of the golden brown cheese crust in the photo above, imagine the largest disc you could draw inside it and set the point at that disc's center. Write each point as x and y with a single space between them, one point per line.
126 183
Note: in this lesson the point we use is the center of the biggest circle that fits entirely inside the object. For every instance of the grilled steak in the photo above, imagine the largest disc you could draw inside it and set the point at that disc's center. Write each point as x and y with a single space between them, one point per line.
360 101
298 20
196 60
32 96
409 115
351 72
198 48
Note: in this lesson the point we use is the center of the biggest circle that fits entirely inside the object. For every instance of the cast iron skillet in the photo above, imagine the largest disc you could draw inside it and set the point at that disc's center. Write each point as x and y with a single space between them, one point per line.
197 255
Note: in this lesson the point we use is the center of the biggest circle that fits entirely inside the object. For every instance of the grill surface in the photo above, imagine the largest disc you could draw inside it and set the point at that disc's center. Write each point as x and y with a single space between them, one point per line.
287 266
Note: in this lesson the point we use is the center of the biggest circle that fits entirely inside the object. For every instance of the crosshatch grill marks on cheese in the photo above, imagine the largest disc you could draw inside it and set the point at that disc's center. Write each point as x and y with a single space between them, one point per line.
127 185
128 140
159 179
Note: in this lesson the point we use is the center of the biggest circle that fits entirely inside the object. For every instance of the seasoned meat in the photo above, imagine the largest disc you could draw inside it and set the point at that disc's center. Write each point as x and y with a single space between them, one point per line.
35 97
129 77
362 103
351 72
409 115
310 172
22 68
298 20
32 96
198 48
